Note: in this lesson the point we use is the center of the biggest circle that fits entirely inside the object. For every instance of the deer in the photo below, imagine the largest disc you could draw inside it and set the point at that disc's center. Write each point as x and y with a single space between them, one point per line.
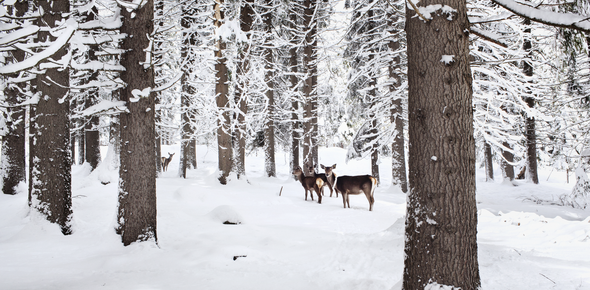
354 185
309 183
166 161
329 179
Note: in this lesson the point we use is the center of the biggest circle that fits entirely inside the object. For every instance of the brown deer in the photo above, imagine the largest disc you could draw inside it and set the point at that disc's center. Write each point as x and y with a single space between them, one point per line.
309 183
329 178
166 161
355 185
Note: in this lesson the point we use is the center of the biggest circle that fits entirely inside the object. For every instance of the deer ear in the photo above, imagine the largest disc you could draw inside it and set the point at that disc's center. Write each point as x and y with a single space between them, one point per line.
323 167
334 166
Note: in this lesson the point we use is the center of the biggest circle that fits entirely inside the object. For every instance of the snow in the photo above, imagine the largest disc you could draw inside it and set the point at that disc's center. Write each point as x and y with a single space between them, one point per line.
279 240
447 59
545 16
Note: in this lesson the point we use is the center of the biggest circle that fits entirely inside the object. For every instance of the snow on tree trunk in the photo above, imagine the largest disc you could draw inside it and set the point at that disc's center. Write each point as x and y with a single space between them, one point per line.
224 142
507 160
441 222
269 128
295 124
137 174
12 166
530 131
51 189
310 126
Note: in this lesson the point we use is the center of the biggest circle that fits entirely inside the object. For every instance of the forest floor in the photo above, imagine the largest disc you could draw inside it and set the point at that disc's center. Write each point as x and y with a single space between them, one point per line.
283 241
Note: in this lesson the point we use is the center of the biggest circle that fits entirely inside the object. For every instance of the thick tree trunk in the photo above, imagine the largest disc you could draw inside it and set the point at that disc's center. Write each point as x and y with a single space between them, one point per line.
441 223
489 165
224 142
51 190
13 142
137 174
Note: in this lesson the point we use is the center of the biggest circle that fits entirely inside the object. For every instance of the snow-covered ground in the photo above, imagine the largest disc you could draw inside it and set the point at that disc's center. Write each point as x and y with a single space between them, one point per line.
283 241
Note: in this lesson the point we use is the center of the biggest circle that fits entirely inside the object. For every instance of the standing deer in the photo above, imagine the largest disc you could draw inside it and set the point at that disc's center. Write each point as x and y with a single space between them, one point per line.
309 183
355 185
166 161
328 178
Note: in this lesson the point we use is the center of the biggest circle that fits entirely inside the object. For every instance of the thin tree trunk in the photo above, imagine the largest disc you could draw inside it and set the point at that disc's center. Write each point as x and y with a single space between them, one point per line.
530 131
136 216
80 135
187 155
295 123
489 161
224 142
51 190
441 223
269 144
398 152
309 90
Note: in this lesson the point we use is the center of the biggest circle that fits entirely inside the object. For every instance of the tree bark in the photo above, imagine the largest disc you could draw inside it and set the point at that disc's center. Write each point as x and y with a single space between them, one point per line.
269 128
136 216
13 142
224 142
310 127
530 131
295 123
508 159
187 156
51 189
441 223
489 162
398 151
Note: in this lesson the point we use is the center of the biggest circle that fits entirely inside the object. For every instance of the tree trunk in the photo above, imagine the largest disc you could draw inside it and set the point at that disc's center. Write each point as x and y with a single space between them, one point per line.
224 142
242 93
295 123
530 131
441 223
187 154
269 128
92 142
80 135
137 174
489 162
13 142
92 135
398 152
310 128
508 159
51 190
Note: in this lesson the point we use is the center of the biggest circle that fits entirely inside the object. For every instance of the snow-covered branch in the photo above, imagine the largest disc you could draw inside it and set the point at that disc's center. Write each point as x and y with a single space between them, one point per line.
565 20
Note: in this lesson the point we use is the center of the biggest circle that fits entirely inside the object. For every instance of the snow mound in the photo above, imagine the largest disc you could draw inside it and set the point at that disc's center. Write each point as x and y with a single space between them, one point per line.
226 215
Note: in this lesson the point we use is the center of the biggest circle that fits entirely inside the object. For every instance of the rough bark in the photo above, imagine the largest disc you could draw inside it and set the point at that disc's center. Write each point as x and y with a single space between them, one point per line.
224 142
441 223
13 142
51 189
91 133
137 173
